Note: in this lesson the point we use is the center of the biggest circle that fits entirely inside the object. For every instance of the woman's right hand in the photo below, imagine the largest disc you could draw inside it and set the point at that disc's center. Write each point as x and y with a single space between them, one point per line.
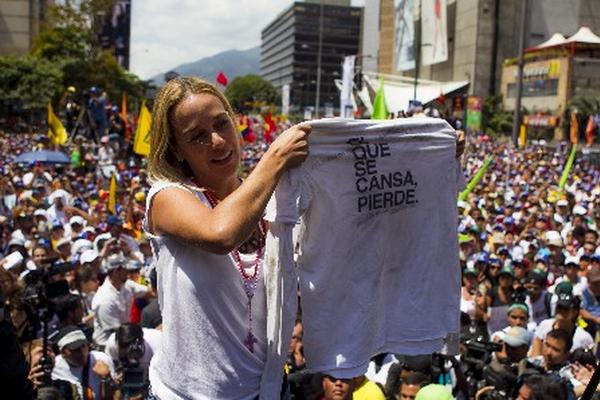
291 147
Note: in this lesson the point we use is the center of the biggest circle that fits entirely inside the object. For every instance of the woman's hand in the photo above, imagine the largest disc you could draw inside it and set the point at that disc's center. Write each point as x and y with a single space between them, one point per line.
291 147
460 143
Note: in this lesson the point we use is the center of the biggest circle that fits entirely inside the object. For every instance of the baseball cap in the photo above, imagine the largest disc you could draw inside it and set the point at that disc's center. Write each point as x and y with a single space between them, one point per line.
88 256
114 220
564 287
81 245
62 242
77 220
554 239
434 391
517 336
115 261
134 265
470 271
562 203
71 338
507 270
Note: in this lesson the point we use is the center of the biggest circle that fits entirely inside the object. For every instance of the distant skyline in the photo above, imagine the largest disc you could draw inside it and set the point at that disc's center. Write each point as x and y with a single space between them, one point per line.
166 34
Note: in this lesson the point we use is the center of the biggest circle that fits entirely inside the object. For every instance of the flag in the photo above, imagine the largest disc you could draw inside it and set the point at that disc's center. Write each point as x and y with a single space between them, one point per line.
380 110
567 169
476 178
442 98
522 136
56 131
112 194
589 131
126 126
222 78
574 128
270 128
141 143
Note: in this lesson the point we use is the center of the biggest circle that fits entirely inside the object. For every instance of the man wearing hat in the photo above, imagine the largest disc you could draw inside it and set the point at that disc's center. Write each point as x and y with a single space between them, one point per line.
91 371
539 300
112 302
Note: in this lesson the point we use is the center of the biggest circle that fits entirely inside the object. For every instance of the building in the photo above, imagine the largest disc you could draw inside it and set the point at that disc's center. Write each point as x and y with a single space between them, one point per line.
20 24
554 72
481 34
296 46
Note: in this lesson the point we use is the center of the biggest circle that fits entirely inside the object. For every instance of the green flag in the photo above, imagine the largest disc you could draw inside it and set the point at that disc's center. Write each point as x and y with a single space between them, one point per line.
380 110
567 169
476 178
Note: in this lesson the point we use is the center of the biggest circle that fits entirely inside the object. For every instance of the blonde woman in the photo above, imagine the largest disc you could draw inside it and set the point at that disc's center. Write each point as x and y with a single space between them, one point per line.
208 237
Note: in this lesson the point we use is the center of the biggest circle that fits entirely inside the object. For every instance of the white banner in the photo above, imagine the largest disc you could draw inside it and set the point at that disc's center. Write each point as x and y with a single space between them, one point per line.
404 36
346 107
285 99
434 36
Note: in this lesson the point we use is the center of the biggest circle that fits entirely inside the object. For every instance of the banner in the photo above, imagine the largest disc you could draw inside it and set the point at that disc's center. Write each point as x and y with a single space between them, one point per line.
112 195
434 36
115 31
404 35
474 104
346 106
285 99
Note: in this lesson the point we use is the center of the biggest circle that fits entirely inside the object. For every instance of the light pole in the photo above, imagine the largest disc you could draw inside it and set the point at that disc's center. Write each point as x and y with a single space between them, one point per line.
517 117
319 51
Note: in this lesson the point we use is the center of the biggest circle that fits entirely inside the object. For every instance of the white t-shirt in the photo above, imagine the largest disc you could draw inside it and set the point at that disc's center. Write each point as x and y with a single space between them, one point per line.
205 321
581 339
112 307
378 257
152 340
62 370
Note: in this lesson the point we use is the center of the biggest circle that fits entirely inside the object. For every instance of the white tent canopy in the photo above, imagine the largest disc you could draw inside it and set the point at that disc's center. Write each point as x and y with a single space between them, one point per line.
399 90
584 35
555 40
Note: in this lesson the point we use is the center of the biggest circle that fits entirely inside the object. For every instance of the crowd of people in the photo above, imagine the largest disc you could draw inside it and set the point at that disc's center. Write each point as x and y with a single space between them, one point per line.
77 270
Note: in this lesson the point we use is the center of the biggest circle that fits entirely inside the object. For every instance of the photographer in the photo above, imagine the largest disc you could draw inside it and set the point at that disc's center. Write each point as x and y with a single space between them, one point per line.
133 346
91 371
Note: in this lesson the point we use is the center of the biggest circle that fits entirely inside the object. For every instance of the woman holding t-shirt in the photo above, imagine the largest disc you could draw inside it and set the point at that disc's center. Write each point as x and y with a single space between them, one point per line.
208 237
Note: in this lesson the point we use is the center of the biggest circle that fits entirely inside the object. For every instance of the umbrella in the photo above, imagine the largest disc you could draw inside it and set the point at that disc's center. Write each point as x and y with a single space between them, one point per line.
43 156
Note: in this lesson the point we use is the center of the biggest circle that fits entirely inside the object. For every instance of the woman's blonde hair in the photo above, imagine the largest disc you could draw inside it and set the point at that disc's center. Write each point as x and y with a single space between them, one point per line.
162 163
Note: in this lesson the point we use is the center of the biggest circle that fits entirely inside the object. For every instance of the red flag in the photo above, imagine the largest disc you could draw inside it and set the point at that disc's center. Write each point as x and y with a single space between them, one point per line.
222 78
270 127
589 131
441 98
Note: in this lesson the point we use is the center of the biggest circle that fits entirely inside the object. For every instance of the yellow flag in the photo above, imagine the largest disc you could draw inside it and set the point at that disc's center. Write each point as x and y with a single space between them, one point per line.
56 131
141 143
112 194
523 136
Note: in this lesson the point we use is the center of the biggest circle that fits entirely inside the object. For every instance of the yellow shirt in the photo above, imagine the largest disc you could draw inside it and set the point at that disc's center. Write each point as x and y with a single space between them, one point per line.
368 391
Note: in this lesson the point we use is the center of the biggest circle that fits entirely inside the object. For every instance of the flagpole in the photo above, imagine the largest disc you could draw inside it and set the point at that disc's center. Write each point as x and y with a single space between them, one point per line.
320 49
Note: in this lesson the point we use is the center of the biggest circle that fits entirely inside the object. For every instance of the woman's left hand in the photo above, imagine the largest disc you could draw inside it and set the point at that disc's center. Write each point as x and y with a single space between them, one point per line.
460 143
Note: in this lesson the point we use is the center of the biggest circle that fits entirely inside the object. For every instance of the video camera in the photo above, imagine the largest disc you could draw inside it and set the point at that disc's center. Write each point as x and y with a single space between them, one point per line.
131 349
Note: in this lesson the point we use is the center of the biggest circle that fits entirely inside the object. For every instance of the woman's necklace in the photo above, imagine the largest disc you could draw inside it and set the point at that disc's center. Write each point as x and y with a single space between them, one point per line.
249 281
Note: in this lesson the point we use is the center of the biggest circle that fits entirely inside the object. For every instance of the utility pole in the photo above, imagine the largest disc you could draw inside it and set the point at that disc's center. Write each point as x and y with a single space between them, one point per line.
517 116
417 50
319 53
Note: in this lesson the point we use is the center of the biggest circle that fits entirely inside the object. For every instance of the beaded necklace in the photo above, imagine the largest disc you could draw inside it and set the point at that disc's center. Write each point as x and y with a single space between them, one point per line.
249 281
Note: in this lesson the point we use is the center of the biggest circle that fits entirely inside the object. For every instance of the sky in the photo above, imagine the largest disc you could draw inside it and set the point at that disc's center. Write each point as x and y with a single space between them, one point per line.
165 34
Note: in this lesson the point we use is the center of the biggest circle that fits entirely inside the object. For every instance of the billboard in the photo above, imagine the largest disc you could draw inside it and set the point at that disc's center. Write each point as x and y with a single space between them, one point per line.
404 35
115 27
434 35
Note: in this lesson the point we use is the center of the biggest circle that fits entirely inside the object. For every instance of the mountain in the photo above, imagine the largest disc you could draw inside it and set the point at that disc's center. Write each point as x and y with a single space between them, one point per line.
232 62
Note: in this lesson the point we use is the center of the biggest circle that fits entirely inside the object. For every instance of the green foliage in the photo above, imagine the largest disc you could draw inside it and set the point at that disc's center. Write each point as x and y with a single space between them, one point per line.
495 119
585 104
244 92
66 53
28 82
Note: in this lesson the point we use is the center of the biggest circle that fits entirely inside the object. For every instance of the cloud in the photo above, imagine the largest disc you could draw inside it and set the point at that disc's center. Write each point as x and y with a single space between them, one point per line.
165 34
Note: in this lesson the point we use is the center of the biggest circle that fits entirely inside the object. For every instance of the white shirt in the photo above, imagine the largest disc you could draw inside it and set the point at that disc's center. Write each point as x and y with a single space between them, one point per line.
152 340
62 370
581 339
378 263
112 307
205 322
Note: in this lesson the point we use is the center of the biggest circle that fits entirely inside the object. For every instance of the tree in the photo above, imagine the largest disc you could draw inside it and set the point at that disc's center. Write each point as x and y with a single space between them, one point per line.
494 118
245 91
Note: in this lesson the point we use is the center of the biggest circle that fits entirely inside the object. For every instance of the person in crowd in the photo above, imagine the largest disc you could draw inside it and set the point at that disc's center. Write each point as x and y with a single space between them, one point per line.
539 299
567 312
151 315
112 302
410 386
590 305
337 389
91 371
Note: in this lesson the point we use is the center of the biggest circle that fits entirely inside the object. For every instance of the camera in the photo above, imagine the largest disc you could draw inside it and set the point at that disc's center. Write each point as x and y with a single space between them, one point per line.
131 349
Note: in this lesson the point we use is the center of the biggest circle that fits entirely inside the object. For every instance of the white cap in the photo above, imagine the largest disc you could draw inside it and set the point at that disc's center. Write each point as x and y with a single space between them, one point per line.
88 256
562 203
553 238
40 212
81 245
579 210
77 220
115 261
62 242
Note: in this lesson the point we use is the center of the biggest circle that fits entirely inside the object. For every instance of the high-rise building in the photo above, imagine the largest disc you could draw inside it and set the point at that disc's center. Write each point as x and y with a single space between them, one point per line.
20 24
481 34
304 46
